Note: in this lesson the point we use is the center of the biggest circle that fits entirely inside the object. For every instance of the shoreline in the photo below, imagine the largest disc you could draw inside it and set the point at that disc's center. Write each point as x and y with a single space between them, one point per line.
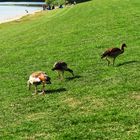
18 17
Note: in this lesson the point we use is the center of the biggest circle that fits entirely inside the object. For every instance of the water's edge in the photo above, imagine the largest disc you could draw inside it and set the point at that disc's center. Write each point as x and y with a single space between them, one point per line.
18 17
10 11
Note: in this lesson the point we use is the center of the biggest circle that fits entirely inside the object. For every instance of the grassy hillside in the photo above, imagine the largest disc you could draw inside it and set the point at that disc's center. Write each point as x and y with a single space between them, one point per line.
101 103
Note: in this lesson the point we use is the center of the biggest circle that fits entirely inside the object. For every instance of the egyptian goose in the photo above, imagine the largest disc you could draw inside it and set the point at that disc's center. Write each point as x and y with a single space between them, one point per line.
37 78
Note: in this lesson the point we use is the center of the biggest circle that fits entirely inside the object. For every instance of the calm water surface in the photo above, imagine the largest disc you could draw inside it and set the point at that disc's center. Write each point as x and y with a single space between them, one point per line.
8 11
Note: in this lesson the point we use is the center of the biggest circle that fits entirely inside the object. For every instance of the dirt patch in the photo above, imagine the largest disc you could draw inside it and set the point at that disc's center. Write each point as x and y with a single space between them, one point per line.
72 102
137 97
35 116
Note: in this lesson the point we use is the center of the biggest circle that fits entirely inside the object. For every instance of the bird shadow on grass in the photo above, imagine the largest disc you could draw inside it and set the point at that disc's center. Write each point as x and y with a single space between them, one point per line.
72 78
52 91
81 1
127 63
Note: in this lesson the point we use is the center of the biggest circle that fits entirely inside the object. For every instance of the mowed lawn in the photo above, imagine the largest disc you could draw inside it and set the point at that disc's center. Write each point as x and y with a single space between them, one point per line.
101 102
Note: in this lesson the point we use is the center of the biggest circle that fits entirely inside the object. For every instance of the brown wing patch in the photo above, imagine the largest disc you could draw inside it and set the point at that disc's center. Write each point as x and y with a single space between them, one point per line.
110 49
42 77
39 74
36 74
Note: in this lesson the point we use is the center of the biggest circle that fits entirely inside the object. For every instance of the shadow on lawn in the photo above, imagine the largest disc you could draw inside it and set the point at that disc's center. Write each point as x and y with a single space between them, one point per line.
127 63
80 1
52 91
72 78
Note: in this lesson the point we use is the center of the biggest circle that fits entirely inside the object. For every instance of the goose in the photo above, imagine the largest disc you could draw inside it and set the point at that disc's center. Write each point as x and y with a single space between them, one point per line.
37 78
113 53
61 67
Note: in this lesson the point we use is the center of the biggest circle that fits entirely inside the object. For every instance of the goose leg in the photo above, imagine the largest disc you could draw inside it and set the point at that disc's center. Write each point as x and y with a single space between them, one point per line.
62 78
43 89
113 61
59 76
108 61
35 89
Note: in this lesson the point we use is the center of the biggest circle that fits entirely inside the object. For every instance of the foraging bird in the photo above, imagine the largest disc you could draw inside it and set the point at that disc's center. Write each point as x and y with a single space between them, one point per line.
38 78
113 53
60 67
26 11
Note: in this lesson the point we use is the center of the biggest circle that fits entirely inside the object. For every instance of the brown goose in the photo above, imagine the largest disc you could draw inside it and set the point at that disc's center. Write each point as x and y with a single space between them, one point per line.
113 53
61 67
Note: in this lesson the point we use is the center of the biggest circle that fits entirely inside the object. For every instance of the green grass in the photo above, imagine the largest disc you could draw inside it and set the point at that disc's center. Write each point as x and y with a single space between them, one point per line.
103 103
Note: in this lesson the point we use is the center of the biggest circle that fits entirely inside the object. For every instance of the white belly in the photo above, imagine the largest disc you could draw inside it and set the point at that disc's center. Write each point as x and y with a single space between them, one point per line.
34 80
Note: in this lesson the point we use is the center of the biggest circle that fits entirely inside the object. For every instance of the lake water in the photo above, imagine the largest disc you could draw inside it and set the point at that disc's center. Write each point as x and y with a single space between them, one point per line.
9 11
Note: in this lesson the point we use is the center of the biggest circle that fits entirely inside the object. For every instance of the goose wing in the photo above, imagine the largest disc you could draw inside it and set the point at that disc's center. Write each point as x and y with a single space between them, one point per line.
37 77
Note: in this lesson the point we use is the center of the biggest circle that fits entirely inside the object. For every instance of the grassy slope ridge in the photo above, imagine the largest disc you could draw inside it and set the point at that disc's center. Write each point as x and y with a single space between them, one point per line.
104 103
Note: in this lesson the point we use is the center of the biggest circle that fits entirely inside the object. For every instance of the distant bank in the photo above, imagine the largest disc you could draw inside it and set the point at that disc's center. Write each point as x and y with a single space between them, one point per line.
23 3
